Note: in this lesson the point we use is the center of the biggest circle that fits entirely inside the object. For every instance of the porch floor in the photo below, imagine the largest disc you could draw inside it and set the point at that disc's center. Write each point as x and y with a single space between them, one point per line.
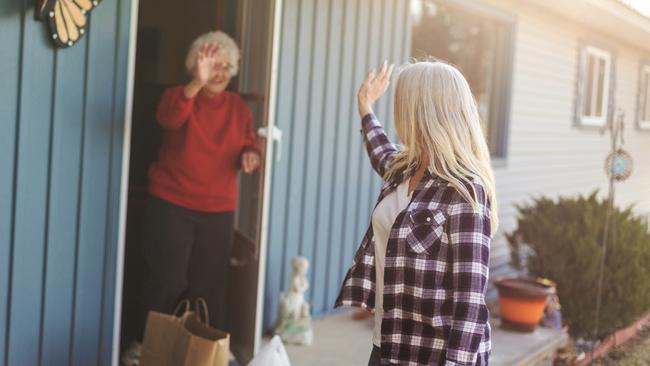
340 340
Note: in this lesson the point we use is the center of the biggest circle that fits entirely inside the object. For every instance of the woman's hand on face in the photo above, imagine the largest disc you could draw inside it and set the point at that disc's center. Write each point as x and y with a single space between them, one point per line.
250 161
373 87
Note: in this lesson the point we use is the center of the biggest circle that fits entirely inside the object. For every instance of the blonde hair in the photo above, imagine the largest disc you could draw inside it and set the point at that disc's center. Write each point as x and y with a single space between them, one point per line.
436 116
228 46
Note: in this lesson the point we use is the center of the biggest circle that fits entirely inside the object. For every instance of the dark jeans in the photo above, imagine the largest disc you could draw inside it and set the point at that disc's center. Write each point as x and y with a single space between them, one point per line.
375 357
188 255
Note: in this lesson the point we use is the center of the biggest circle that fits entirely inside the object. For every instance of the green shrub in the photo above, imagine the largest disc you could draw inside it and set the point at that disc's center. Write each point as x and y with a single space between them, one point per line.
562 240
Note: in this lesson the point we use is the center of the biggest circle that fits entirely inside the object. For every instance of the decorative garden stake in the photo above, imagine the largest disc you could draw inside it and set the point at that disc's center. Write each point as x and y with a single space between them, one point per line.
66 19
618 167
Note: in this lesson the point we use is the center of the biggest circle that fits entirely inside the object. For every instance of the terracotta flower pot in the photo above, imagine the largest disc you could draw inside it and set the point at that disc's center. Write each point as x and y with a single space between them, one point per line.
522 301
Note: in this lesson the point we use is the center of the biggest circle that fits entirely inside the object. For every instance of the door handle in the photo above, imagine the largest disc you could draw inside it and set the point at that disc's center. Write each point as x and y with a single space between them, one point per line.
275 134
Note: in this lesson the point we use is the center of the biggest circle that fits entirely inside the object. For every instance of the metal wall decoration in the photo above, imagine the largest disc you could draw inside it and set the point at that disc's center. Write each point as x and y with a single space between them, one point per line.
66 19
618 167
618 164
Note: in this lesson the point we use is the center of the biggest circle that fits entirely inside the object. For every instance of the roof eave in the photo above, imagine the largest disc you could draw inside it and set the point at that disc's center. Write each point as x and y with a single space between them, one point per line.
610 17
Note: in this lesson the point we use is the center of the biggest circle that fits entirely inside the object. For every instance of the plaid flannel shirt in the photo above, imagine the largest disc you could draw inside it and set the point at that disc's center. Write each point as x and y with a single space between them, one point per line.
436 270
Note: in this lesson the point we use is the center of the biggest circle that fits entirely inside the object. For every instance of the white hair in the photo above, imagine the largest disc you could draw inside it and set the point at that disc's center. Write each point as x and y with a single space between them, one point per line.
228 46
436 116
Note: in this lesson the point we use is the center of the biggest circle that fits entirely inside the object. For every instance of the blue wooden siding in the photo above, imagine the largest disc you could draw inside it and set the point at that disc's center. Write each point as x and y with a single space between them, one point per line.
61 139
324 189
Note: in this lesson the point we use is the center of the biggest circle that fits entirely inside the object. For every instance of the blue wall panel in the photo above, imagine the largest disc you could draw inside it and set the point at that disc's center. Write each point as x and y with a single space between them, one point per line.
94 185
67 123
61 135
31 195
303 72
10 38
326 146
338 258
312 212
323 189
357 185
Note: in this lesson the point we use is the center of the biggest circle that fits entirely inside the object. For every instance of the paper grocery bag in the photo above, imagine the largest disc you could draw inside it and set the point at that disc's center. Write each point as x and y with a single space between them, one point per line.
165 340
207 346
185 340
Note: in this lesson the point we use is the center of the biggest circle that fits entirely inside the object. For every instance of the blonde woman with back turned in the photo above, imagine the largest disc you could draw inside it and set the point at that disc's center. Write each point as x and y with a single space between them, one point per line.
423 264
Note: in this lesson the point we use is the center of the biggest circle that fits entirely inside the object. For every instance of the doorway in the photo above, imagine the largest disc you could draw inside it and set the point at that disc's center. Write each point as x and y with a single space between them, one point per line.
165 31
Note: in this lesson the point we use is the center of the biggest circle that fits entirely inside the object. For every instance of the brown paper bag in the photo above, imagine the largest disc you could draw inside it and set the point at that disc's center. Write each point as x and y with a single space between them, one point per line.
185 340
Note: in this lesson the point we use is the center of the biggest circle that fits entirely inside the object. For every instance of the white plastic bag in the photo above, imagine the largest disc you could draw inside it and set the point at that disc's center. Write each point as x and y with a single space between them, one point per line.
273 354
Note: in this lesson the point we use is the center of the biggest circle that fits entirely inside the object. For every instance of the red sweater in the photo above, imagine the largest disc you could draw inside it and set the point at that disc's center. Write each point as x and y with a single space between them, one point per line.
203 141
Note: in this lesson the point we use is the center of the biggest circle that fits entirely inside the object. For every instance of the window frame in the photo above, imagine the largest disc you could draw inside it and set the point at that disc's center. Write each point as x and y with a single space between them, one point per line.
500 115
644 90
609 80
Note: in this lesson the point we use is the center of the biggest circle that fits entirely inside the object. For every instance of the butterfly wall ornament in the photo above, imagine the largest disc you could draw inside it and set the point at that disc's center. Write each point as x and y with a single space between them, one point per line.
66 19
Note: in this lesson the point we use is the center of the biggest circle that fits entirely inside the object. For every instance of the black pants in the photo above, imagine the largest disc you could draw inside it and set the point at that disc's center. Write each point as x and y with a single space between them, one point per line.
375 357
188 255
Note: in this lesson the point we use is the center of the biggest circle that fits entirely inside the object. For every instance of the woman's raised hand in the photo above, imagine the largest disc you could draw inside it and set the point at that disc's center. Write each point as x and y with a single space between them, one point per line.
206 60
373 87
209 61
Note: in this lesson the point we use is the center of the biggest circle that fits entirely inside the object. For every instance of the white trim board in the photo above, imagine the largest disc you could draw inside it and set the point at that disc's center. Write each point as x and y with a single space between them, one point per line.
268 171
124 185
644 97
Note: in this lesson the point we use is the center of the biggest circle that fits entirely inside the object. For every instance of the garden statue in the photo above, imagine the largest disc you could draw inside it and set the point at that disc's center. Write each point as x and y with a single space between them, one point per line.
294 322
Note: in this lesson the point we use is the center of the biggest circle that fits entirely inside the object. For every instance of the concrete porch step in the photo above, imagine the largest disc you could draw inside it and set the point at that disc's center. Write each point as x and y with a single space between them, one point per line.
525 349
339 340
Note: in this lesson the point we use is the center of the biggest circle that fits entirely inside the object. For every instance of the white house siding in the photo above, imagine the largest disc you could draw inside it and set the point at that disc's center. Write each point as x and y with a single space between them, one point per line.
547 154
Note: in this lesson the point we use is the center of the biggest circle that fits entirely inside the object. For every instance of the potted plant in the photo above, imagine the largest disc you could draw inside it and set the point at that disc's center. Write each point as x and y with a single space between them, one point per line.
562 239
522 301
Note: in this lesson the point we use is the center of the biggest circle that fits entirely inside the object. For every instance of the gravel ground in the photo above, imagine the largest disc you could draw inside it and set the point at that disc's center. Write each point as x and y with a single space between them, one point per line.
635 353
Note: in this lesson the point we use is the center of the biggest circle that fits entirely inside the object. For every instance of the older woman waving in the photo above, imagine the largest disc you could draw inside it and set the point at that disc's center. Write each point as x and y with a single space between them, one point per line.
188 229
423 263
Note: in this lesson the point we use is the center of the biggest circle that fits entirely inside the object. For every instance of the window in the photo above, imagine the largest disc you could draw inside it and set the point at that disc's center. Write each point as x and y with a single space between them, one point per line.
644 98
479 41
595 85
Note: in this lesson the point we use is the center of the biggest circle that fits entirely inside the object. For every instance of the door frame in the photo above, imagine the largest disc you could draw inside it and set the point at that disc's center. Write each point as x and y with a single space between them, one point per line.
271 103
274 38
124 184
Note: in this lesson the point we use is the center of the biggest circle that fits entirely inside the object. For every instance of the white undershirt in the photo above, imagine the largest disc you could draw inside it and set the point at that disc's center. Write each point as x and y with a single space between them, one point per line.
382 221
